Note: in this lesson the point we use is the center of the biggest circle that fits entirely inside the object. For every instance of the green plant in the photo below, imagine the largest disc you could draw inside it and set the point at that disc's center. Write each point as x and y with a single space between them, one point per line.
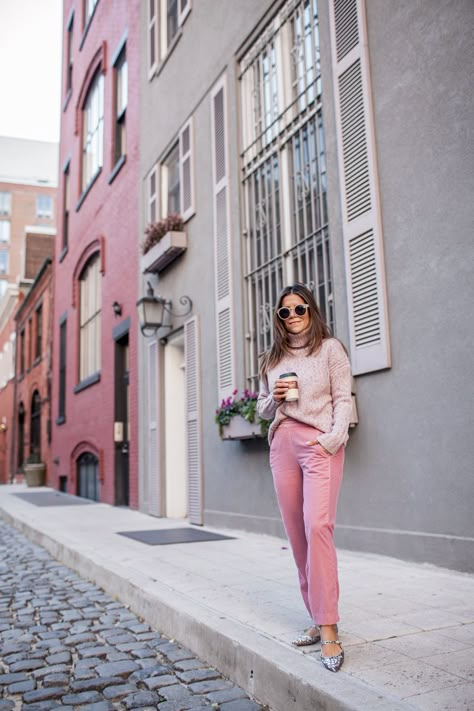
155 231
245 406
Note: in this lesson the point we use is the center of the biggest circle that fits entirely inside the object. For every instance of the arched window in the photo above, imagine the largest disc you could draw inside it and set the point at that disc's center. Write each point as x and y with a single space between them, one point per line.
21 436
89 318
88 485
35 424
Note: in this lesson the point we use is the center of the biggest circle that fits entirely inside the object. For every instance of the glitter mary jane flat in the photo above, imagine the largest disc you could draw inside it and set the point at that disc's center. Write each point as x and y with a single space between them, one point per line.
333 663
306 639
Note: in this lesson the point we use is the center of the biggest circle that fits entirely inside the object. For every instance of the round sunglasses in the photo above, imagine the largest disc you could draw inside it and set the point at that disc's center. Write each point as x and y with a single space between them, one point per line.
299 310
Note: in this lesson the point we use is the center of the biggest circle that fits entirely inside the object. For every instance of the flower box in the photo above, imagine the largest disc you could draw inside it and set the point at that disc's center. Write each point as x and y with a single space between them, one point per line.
240 428
169 248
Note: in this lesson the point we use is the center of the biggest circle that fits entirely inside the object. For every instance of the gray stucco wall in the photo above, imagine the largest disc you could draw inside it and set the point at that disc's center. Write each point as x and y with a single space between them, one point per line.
408 479
408 487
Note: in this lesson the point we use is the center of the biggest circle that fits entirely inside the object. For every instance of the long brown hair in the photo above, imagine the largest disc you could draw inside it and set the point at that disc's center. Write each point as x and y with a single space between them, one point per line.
318 329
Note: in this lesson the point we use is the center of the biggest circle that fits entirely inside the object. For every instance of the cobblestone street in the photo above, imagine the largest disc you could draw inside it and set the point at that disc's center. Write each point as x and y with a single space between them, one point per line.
65 644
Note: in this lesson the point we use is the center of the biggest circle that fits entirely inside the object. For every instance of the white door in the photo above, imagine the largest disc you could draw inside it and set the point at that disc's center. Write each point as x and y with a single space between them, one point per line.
176 485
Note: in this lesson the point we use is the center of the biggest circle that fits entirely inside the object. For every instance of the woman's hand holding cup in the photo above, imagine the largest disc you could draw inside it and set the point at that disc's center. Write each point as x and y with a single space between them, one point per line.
279 390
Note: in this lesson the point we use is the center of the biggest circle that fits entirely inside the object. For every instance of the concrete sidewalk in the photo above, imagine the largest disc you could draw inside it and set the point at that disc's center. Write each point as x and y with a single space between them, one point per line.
407 629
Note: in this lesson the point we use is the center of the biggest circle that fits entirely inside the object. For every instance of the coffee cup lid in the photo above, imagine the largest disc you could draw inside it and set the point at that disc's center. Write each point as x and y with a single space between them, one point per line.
285 375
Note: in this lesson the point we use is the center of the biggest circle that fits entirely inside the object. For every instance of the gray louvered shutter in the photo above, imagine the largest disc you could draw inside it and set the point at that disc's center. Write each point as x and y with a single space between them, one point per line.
359 188
193 420
222 246
186 185
153 464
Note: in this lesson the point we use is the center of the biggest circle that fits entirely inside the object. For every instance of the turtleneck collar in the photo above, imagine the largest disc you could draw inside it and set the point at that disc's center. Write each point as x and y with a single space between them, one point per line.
298 340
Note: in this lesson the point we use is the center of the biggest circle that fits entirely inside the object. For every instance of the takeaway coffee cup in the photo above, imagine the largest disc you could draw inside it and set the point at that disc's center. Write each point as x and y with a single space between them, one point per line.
292 380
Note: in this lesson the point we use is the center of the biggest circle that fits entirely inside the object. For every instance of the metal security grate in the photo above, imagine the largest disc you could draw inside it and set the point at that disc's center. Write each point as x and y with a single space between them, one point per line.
53 498
284 171
170 536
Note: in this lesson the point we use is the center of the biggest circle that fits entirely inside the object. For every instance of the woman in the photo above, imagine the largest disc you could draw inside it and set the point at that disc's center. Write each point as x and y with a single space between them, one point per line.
307 439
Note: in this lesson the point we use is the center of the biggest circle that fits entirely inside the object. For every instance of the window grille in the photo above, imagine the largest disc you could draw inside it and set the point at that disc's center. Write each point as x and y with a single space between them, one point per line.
283 171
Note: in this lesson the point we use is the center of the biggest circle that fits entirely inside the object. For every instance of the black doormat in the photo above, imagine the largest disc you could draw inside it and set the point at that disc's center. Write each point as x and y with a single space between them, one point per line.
165 536
53 498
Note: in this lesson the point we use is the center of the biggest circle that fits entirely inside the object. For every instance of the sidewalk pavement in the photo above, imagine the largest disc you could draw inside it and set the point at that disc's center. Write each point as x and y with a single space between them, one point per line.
407 629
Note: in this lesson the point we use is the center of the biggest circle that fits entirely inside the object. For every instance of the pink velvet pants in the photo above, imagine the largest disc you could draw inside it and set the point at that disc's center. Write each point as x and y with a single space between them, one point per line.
307 481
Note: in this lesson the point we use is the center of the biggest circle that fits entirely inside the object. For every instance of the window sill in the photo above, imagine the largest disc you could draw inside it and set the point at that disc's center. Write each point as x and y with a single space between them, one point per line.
67 100
63 253
117 168
61 420
87 189
168 54
87 382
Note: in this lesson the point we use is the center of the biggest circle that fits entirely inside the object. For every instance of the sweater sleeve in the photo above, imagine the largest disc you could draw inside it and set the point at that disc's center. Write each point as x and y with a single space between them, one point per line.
340 382
266 405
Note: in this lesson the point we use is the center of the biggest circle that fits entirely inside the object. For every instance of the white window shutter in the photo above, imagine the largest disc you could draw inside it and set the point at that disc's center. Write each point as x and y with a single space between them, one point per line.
184 8
186 185
154 503
359 189
222 245
193 420
152 192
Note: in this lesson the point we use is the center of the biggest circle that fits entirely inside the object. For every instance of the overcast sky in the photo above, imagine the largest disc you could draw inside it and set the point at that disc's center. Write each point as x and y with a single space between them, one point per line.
30 67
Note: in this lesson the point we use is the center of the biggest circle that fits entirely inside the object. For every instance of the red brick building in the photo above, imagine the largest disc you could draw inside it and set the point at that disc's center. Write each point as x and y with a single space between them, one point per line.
28 180
31 432
94 424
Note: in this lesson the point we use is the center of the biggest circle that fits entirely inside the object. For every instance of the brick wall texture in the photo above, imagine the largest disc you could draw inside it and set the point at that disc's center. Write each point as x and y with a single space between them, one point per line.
103 220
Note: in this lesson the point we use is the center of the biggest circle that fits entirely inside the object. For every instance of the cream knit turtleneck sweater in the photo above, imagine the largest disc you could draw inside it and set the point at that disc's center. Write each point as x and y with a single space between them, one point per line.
324 383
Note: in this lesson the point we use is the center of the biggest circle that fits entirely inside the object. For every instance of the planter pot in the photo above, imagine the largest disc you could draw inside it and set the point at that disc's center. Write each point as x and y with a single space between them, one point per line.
169 248
35 474
239 428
